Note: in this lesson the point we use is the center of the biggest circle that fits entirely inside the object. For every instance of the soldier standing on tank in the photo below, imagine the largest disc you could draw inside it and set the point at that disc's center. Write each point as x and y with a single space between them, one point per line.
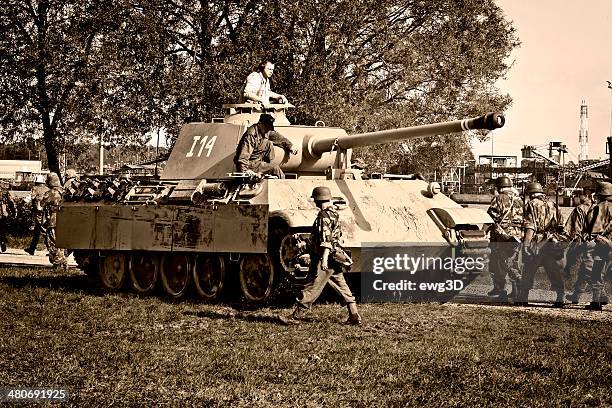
574 229
8 211
50 204
37 194
257 86
542 220
597 257
255 150
506 209
325 241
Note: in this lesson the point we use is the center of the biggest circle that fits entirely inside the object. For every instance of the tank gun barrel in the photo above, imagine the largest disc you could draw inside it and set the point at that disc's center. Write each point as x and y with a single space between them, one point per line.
489 121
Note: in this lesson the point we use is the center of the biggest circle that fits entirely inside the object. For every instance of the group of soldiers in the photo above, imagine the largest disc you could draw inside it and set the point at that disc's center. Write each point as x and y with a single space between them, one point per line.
45 196
527 236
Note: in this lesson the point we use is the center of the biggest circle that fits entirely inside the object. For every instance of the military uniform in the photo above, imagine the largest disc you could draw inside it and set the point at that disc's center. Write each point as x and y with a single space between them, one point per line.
255 151
506 209
326 233
574 228
597 257
543 218
7 212
50 204
38 192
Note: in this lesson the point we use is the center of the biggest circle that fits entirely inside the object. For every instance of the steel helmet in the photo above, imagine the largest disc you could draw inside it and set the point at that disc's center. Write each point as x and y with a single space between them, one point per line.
40 179
533 188
53 180
503 181
321 193
604 189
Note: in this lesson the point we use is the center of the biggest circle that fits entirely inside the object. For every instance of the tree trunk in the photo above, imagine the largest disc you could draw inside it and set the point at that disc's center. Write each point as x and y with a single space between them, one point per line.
50 137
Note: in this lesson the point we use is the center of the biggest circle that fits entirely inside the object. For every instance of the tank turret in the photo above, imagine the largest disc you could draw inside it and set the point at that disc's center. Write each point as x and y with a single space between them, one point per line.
206 150
203 222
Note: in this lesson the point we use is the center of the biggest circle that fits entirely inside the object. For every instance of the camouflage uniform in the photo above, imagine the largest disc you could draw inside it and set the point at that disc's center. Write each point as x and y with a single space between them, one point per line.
506 209
38 192
597 256
326 233
7 211
543 217
574 229
50 203
255 151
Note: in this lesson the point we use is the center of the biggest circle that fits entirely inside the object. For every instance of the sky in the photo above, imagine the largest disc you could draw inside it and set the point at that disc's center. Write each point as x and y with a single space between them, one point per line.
565 56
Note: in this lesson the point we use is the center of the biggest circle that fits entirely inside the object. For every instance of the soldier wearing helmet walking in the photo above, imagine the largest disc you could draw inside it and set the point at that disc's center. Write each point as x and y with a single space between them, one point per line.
327 259
37 194
50 204
506 209
542 220
597 256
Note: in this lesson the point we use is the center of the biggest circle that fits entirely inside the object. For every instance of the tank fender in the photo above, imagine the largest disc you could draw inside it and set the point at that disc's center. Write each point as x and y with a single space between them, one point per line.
296 218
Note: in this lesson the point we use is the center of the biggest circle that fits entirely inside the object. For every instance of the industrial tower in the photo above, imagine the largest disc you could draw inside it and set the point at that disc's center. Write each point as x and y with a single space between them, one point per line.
583 134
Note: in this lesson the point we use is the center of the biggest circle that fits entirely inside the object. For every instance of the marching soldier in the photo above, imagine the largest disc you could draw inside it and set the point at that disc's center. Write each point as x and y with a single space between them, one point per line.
255 150
574 228
50 203
506 209
542 220
38 192
7 212
599 246
327 258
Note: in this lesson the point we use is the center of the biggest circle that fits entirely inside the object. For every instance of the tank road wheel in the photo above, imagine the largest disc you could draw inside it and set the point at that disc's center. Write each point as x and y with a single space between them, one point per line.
112 271
209 276
256 277
144 272
175 274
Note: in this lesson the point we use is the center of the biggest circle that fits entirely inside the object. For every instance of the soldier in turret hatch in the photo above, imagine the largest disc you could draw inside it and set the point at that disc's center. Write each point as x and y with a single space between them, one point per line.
255 150
257 86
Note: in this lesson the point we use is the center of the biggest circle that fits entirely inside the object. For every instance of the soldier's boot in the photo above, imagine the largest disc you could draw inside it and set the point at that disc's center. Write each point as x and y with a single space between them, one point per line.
299 313
559 302
522 298
497 292
3 246
574 297
29 250
514 293
596 302
603 298
353 318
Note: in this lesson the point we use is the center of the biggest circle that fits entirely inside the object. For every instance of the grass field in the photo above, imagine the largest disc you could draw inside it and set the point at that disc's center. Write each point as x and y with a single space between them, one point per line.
119 349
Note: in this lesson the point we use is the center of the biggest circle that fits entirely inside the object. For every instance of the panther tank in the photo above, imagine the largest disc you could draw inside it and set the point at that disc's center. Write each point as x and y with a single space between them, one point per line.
202 224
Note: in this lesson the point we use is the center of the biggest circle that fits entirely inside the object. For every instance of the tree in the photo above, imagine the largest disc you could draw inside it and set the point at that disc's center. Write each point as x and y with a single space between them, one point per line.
360 65
83 69
50 52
